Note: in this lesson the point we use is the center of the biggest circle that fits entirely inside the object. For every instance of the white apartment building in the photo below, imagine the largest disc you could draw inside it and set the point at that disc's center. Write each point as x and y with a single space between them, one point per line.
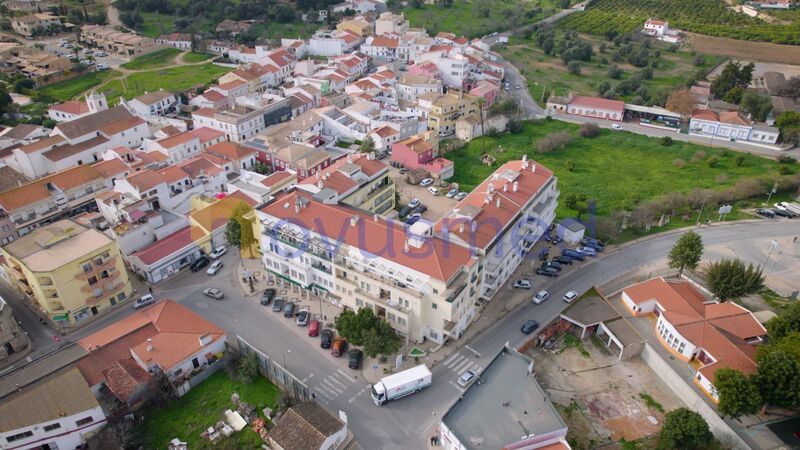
410 87
151 103
391 23
238 123
332 43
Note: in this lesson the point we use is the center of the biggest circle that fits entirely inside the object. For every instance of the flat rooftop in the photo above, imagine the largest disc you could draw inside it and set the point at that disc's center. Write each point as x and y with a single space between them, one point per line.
507 405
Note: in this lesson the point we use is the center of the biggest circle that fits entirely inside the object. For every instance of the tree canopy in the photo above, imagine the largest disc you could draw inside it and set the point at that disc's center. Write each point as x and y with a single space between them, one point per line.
786 323
730 278
364 328
778 379
789 124
684 429
758 106
734 75
738 395
686 252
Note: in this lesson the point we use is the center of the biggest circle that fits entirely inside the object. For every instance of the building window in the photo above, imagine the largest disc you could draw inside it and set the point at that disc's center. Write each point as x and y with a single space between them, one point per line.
84 421
92 280
434 306
87 267
52 426
23 435
121 296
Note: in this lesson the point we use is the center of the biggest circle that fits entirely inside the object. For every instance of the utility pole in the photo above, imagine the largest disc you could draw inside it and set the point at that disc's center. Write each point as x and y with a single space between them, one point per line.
701 212
772 191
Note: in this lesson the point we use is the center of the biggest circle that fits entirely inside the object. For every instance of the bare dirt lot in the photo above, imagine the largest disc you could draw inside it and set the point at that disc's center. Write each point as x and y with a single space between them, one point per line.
601 399
747 50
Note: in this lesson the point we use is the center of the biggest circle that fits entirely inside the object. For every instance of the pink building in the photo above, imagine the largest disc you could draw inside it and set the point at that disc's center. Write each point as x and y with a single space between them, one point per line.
415 152
425 68
486 90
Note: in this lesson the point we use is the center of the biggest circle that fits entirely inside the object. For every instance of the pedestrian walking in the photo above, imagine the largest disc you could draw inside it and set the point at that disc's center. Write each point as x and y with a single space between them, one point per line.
150 289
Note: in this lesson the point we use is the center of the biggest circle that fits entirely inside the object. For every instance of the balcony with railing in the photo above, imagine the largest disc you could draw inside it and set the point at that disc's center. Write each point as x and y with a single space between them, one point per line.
322 267
457 286
300 242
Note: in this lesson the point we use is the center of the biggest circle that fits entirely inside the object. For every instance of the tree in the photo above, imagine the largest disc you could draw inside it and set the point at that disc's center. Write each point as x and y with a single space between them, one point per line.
684 429
738 395
732 76
789 344
5 102
778 379
574 67
246 237
367 145
233 233
514 126
247 368
23 84
365 328
758 106
792 88
686 252
786 323
589 130
614 72
682 102
789 124
730 278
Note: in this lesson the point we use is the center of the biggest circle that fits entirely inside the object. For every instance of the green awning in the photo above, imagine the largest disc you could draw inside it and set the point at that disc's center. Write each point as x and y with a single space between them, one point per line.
280 275
64 317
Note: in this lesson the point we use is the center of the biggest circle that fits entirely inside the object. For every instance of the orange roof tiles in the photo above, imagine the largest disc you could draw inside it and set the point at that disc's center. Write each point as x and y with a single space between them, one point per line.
176 140
230 151
705 114
276 178
111 167
734 118
382 41
206 134
72 107
36 191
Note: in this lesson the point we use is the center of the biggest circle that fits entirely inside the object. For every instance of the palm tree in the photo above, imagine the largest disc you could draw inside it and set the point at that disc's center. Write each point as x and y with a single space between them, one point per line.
481 102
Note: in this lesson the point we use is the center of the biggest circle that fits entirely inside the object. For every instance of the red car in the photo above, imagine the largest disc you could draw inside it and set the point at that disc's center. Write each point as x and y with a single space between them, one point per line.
313 327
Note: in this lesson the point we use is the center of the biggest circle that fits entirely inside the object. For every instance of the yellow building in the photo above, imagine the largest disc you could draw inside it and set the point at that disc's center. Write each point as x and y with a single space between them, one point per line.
357 26
448 109
70 272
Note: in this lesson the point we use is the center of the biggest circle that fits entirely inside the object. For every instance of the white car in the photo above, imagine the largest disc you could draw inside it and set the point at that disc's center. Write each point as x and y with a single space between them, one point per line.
466 378
215 267
413 203
522 284
214 293
145 300
433 190
217 252
616 126
540 296
451 193
460 196
426 182
102 66
589 251
570 296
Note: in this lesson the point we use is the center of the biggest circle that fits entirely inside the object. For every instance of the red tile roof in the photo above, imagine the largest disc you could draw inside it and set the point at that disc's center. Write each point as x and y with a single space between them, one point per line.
169 245
381 41
72 107
705 114
111 167
176 140
276 178
230 151
596 102
734 118
206 134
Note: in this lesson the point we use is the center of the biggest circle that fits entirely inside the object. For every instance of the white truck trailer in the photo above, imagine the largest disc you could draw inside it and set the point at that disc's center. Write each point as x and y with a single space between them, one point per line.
401 384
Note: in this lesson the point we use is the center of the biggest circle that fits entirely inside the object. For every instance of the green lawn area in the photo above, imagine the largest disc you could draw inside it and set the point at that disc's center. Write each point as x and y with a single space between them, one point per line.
294 30
187 417
616 169
549 73
477 18
68 89
176 79
153 60
193 57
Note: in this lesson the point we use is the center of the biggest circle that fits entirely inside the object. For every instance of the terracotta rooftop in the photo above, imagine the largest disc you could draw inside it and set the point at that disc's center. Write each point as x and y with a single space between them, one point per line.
304 426
72 107
36 191
168 245
230 151
596 102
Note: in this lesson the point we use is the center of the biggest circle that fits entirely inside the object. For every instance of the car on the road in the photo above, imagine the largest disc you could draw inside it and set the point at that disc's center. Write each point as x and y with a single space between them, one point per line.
217 252
403 170
302 318
413 203
277 305
540 296
145 300
339 346
313 327
288 310
563 260
518 87
102 66
466 378
451 193
523 284
433 190
552 264
199 263
587 251
460 196
267 296
570 296
529 326
354 358
426 182
765 212
547 272
326 338
215 267
100 54
214 293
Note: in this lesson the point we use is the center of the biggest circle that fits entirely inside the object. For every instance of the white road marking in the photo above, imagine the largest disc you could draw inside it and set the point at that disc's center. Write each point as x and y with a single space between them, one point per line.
459 388
477 353
330 393
322 393
352 380
454 362
330 385
461 366
331 379
451 358
310 376
357 395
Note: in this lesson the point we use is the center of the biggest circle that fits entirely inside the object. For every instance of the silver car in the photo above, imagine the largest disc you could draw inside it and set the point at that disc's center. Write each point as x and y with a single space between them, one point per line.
466 378
145 300
214 293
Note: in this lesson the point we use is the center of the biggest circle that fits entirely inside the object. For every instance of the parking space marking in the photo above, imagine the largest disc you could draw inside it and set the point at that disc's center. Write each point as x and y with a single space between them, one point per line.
459 388
310 376
477 353
454 362
352 380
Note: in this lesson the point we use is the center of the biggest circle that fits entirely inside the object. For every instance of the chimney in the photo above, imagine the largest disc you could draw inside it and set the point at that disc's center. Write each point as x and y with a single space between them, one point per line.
490 188
297 207
515 186
149 345
533 168
474 226
405 245
319 184
497 202
525 158
353 221
505 187
461 228
375 217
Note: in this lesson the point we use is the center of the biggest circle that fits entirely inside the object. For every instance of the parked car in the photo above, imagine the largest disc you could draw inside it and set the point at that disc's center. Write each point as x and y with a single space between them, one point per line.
784 213
460 196
217 252
466 378
529 326
199 263
523 284
420 209
145 300
267 296
100 54
574 254
433 190
544 255
413 203
214 293
547 272
302 318
326 338
354 358
593 244
288 310
570 296
587 251
540 296
215 267
451 193
426 182
764 212
413 218
404 211
616 126
102 66
277 305
552 264
563 260
339 346
313 327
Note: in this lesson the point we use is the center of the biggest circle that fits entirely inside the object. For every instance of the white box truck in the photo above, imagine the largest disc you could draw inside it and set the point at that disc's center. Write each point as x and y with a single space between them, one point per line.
788 206
401 384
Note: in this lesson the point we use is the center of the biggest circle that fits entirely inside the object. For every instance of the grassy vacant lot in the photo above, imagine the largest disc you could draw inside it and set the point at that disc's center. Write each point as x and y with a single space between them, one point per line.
176 79
68 89
550 73
187 417
153 60
194 57
477 18
616 169
294 30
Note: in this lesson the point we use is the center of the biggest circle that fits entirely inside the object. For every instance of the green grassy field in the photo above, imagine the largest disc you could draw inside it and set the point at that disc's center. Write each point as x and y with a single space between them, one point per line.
294 30
68 89
161 58
616 169
176 79
548 74
202 407
156 24
193 57
478 18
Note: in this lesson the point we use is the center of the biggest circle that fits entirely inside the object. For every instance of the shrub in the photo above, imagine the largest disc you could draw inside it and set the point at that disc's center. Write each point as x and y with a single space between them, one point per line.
699 156
699 60
554 141
514 126
574 67
588 130
666 141
679 163
785 159
569 165
712 161
738 161
784 170
614 72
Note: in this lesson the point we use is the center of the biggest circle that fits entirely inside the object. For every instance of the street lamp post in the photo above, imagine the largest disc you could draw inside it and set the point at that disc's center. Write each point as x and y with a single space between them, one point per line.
284 359
772 245
772 191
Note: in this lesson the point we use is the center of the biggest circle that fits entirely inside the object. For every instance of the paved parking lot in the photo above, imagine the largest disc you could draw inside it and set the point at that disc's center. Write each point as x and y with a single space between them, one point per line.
438 205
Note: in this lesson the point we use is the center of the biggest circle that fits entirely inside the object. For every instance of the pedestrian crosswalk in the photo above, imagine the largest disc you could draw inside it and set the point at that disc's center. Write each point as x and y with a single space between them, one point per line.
332 386
459 363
